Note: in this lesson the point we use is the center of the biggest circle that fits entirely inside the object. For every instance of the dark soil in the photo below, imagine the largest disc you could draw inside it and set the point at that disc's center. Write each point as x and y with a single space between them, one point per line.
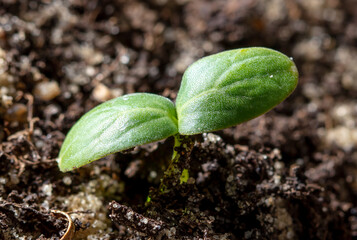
289 174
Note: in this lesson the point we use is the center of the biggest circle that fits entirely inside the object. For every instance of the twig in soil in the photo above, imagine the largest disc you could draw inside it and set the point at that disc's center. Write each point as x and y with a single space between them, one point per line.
30 118
24 216
68 235
21 161
24 136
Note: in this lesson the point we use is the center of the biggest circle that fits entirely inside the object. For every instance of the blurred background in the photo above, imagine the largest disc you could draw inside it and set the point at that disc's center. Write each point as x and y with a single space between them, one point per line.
59 59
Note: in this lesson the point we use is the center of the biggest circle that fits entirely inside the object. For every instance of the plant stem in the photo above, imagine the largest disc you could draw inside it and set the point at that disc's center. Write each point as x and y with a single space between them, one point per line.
176 174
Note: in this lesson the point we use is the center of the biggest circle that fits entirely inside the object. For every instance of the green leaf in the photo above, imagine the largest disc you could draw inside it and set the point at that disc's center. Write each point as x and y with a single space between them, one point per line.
231 87
116 125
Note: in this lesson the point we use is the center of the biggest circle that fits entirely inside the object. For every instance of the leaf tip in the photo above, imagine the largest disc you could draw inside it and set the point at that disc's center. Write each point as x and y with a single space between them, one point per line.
294 69
295 73
62 166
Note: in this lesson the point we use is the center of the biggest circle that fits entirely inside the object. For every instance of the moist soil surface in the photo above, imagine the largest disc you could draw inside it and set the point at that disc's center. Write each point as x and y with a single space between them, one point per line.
289 174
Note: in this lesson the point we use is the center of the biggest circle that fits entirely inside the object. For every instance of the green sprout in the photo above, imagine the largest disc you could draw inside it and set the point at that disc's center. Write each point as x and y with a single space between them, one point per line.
217 92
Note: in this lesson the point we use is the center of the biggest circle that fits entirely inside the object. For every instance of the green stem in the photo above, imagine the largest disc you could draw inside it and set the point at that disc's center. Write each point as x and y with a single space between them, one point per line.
176 174
177 144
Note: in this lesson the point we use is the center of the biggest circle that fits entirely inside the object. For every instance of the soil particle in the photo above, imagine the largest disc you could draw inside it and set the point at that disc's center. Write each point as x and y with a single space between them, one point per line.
29 220
121 214
101 93
47 90
16 113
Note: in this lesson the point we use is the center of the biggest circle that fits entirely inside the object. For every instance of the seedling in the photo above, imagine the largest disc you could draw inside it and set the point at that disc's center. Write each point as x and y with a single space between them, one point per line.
217 92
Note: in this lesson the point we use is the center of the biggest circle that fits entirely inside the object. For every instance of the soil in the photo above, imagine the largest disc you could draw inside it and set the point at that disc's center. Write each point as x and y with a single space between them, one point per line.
289 174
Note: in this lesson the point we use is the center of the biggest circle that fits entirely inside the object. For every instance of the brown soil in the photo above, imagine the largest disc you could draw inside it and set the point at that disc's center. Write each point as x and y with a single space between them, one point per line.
289 174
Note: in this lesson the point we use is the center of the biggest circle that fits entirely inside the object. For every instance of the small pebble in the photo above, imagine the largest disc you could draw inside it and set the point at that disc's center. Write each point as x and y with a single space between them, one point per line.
67 180
39 144
101 93
17 112
124 59
90 71
47 91
47 189
4 77
129 215
145 220
5 99
90 55
117 92
153 174
14 179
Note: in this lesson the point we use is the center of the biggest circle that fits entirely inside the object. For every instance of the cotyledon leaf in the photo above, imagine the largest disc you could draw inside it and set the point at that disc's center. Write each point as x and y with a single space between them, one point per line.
116 125
231 87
